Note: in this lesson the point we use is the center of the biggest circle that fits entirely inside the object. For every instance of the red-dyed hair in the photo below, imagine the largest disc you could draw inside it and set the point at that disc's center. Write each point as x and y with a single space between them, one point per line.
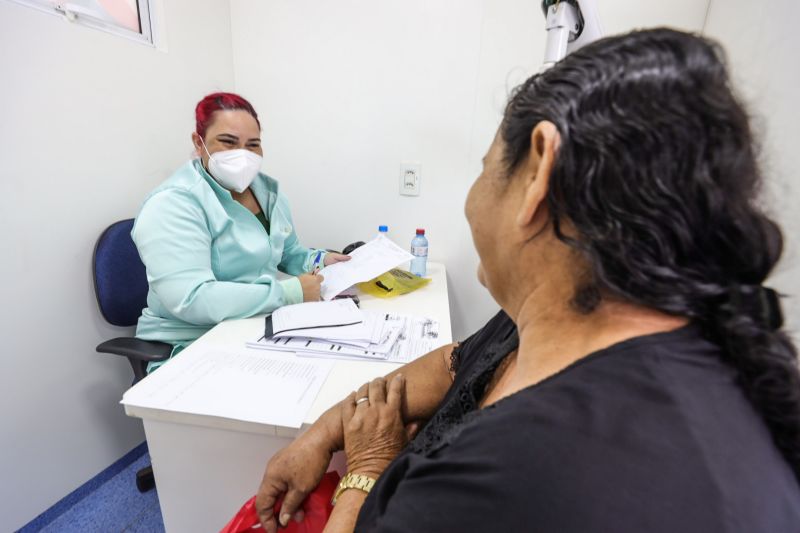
204 112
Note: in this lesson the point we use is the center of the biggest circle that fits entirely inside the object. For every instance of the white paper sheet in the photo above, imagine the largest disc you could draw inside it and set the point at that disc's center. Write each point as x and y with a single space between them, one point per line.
307 315
254 386
378 335
324 346
355 332
403 339
367 332
368 261
418 336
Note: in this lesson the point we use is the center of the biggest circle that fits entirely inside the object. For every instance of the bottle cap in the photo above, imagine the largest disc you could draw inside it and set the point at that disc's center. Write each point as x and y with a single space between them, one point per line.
383 229
420 231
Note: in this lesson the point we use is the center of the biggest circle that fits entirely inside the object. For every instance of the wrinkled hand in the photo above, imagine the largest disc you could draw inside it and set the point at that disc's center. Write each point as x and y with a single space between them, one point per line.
374 433
332 257
293 473
311 284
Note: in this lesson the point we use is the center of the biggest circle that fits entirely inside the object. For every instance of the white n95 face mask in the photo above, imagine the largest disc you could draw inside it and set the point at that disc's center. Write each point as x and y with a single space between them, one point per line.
234 169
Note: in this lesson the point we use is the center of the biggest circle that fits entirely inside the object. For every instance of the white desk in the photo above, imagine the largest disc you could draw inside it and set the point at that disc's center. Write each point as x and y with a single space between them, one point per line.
207 467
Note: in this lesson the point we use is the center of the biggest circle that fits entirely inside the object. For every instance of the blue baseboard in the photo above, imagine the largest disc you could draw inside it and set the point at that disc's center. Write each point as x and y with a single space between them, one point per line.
68 501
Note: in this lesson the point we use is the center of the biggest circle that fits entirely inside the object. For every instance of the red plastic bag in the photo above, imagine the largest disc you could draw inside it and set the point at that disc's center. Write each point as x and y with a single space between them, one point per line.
316 507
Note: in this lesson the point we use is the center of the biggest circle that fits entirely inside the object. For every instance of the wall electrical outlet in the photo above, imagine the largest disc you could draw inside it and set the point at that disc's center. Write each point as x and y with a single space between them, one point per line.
410 176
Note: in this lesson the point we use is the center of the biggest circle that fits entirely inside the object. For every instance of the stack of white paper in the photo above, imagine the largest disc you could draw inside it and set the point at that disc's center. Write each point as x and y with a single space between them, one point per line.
256 387
379 337
315 316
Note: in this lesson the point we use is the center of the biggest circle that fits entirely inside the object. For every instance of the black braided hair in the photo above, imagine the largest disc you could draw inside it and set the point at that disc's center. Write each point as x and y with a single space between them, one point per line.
657 173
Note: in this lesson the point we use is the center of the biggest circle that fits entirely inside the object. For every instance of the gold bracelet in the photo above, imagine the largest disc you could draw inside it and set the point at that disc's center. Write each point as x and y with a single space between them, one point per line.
353 481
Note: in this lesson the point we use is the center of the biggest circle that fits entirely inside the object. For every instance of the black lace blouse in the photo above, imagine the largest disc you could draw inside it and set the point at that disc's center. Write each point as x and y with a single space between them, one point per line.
652 434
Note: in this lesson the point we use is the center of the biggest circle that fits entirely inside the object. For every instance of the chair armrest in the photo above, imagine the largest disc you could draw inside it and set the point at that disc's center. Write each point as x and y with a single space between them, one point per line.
138 349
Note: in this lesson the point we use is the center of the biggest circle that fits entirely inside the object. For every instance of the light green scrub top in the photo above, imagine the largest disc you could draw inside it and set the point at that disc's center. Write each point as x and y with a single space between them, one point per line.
208 258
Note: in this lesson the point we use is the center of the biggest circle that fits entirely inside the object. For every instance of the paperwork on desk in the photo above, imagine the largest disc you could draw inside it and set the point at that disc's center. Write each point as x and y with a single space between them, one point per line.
333 316
378 337
261 387
366 262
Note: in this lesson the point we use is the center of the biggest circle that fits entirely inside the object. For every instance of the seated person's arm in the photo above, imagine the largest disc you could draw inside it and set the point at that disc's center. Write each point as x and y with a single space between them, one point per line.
427 381
296 258
174 243
298 468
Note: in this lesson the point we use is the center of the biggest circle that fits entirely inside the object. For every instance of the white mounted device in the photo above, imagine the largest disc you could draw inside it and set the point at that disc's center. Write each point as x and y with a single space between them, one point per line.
570 24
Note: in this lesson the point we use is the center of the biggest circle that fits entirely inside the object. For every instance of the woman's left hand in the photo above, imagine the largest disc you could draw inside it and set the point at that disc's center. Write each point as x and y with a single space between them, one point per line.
333 257
374 433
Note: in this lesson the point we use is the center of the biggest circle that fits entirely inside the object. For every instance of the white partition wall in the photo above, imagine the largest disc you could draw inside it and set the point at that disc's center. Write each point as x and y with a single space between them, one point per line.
348 90
90 122
762 41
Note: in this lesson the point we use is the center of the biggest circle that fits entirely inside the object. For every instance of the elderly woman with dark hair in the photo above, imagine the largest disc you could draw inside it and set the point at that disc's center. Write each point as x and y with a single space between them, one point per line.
637 378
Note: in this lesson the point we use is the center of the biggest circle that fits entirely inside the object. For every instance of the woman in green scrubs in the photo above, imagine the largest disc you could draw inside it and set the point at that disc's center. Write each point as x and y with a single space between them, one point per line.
215 234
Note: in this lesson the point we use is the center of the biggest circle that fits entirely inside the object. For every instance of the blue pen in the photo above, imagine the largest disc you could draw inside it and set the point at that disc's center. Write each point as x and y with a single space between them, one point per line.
315 266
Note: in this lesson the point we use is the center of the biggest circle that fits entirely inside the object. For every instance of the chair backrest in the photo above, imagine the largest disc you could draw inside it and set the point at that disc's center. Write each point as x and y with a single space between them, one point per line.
120 282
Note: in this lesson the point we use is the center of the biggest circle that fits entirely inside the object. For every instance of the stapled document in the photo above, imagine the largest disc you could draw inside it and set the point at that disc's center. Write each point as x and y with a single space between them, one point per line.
312 315
368 331
394 339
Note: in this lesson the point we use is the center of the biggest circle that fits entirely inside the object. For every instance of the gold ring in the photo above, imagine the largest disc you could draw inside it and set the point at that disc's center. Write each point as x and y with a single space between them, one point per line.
364 399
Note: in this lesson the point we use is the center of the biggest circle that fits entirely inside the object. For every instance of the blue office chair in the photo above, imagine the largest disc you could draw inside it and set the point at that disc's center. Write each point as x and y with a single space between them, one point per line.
120 285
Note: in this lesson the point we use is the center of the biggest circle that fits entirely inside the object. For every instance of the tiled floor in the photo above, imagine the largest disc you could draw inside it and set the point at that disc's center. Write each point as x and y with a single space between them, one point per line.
115 506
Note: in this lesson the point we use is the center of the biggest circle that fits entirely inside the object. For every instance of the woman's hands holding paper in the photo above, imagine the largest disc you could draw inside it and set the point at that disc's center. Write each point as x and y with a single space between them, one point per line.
332 257
311 285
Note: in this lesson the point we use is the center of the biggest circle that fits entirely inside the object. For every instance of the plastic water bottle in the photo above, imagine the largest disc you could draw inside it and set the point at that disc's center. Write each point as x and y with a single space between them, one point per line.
383 230
419 249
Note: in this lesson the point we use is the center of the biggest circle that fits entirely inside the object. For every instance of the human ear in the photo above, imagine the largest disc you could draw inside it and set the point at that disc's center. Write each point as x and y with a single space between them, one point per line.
197 142
545 140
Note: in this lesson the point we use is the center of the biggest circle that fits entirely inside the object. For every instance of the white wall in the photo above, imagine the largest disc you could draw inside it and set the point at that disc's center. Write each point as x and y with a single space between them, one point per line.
90 123
347 90
762 41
